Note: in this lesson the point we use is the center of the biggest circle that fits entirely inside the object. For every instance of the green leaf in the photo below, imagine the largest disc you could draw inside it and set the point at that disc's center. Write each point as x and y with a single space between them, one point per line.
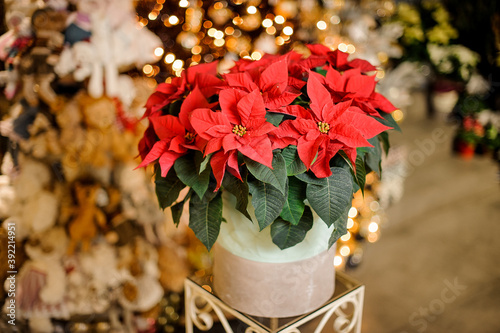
320 71
167 188
268 202
205 218
239 189
204 164
384 137
340 227
174 108
374 155
285 234
178 208
360 176
275 176
330 199
274 118
294 165
388 120
294 205
309 178
186 170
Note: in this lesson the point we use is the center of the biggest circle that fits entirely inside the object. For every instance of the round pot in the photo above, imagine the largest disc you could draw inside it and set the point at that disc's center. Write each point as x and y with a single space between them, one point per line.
254 276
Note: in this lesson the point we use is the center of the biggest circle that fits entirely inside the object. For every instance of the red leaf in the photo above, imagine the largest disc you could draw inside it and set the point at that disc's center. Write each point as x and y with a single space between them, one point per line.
158 149
251 106
318 49
259 150
263 129
363 65
232 165
380 102
209 68
167 127
275 77
218 162
273 102
362 85
240 80
308 149
349 136
230 142
228 100
167 160
194 100
366 125
209 84
203 119
321 167
319 95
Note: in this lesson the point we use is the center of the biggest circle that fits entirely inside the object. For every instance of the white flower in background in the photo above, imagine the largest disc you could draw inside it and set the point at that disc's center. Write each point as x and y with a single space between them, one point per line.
477 85
445 66
436 53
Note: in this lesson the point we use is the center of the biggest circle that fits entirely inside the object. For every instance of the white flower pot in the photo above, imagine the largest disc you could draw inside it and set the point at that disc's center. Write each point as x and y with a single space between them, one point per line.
252 275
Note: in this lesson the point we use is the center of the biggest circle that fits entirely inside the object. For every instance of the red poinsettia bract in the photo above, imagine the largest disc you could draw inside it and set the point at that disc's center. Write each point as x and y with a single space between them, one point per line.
240 126
272 81
324 129
175 133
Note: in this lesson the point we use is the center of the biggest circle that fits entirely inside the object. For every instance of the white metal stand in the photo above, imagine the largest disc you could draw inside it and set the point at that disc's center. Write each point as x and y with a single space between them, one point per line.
341 314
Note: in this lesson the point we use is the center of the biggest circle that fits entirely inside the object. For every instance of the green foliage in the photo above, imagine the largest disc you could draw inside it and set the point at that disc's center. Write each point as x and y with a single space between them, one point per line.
205 218
276 176
286 234
268 202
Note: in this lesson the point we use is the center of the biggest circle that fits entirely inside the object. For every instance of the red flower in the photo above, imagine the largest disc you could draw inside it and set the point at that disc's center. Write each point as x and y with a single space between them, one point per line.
272 81
338 59
357 87
203 76
240 126
327 128
176 135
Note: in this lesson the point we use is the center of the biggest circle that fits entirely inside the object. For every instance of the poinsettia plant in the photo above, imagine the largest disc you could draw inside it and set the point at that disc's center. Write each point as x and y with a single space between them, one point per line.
293 134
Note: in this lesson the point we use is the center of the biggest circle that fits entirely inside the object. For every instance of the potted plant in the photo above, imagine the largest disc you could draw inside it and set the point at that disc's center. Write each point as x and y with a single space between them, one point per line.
271 153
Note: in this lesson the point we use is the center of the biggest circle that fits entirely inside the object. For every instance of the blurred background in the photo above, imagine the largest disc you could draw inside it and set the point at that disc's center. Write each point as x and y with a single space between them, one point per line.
94 253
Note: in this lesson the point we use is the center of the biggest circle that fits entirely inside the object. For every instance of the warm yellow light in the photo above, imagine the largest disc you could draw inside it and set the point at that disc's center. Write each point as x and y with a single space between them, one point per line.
256 55
211 32
337 261
342 47
152 16
279 19
196 49
252 10
352 212
159 51
373 227
335 19
271 30
346 237
147 69
177 65
267 23
350 223
219 42
351 48
321 25
345 250
173 20
229 30
372 238
184 3
169 58
374 206
219 34
288 31
280 40
398 115
218 5
380 74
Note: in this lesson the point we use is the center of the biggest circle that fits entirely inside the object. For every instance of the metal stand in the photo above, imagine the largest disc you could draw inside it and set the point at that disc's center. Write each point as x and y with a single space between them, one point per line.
341 314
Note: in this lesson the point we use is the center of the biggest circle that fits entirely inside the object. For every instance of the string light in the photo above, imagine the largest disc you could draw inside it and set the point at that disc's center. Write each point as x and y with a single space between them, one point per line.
321 25
158 52
288 31
252 10
279 19
266 23
173 20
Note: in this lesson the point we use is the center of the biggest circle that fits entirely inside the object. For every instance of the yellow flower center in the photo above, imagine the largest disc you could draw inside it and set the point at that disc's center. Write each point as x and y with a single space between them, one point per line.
323 127
239 130
189 136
